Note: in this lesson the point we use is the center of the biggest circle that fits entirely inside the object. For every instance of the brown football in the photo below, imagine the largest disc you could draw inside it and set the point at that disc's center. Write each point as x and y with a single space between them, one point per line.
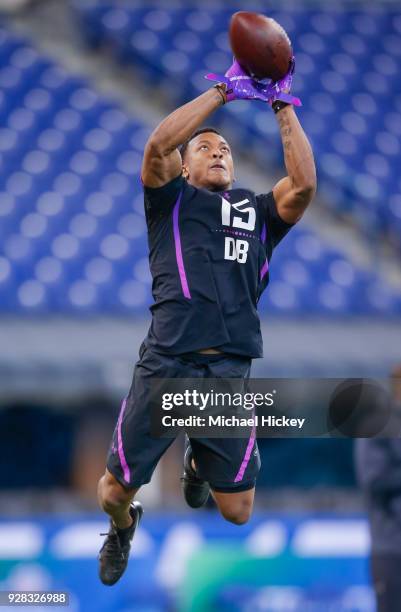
260 45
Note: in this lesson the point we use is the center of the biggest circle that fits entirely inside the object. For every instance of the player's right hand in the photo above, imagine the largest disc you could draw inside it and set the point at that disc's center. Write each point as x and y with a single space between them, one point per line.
239 84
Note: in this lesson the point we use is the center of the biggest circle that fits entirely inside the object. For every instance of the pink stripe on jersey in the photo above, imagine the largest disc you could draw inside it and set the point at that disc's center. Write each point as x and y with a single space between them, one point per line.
264 269
178 250
263 234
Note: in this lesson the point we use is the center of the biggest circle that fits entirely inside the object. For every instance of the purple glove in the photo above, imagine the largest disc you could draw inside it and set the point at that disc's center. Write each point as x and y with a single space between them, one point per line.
280 90
241 86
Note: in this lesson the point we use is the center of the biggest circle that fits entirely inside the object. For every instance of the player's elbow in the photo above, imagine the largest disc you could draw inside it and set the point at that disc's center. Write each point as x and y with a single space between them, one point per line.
306 191
305 184
293 210
157 147
154 148
303 196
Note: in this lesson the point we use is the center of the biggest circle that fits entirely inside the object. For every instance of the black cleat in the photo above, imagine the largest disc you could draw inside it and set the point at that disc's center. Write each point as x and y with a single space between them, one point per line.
113 556
196 491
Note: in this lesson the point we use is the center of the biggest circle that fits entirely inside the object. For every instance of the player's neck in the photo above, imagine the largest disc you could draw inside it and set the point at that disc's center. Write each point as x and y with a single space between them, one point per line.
213 188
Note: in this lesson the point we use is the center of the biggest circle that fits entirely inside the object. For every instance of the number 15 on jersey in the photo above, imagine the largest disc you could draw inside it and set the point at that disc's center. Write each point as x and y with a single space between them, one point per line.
234 249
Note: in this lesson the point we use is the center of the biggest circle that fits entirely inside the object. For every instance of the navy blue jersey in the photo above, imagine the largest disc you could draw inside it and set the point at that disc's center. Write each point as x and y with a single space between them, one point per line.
209 258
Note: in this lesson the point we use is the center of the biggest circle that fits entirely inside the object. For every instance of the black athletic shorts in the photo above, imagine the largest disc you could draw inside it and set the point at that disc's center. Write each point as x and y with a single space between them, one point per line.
229 464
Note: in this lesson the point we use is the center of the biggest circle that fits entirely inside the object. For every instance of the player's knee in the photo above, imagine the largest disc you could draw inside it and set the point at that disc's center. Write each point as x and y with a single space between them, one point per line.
239 514
112 494
238 517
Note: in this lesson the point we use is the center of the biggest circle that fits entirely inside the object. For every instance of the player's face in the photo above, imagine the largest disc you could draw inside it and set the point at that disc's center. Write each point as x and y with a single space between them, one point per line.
208 162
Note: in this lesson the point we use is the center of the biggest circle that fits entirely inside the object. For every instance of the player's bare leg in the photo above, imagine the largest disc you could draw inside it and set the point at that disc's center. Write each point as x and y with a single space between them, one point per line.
116 501
235 507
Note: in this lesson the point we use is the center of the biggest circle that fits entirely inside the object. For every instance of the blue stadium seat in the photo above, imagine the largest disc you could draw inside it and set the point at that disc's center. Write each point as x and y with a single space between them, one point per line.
333 58
72 229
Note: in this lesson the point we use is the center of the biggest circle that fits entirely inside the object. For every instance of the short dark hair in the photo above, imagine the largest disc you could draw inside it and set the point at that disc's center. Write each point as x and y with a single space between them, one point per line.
183 148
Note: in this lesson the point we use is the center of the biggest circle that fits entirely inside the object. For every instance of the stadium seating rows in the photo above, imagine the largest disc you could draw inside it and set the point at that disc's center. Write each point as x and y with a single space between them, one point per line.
72 230
352 102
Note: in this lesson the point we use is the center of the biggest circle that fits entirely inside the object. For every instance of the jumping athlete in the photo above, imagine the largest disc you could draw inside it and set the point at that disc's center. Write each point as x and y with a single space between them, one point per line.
210 247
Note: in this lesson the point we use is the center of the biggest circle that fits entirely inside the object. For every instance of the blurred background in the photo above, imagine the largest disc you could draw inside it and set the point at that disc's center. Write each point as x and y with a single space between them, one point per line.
82 85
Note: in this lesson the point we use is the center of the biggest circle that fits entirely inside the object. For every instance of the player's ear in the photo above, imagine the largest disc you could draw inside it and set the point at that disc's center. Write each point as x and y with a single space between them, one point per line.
185 172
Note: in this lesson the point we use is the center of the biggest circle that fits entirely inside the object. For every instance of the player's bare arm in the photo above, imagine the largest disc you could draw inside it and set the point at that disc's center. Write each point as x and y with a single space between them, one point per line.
294 192
162 160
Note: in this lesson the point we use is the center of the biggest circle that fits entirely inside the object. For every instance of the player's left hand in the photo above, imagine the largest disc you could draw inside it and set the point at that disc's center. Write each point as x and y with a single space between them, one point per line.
242 86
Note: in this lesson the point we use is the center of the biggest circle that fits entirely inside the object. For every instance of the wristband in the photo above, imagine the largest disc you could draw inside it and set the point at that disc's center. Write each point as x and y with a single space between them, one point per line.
278 105
221 88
